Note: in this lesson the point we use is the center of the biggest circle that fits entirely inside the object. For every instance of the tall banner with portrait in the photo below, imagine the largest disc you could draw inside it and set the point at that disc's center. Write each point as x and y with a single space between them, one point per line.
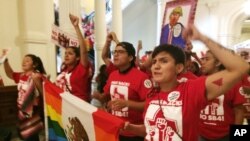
177 15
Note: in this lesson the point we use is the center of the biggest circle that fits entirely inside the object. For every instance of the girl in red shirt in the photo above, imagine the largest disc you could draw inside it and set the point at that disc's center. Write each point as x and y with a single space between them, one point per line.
74 77
29 85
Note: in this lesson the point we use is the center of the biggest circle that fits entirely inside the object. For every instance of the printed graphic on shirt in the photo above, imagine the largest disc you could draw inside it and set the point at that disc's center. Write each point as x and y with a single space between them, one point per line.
119 90
63 81
214 111
167 127
67 79
241 91
22 88
26 98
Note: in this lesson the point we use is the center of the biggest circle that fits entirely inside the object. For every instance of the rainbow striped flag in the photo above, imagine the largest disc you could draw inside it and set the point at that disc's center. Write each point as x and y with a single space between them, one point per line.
70 118
53 112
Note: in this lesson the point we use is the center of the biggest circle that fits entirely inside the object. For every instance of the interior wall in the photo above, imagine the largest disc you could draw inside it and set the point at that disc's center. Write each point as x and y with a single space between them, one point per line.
221 20
141 24
9 30
25 28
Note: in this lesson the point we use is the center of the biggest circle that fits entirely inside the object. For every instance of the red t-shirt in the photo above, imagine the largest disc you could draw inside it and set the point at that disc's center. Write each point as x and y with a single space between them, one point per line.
75 81
133 85
110 68
246 83
149 73
181 107
216 117
183 77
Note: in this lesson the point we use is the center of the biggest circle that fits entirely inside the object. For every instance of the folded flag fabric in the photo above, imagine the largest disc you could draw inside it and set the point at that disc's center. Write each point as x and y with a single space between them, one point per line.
70 118
53 111
88 123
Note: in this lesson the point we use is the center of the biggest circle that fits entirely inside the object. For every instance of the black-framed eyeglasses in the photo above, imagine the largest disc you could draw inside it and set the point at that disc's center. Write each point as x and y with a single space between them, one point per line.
118 52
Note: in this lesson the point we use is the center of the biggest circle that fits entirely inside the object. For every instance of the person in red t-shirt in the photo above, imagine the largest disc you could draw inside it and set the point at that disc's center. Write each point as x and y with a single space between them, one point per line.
74 77
220 113
29 85
172 110
186 75
127 88
246 91
143 63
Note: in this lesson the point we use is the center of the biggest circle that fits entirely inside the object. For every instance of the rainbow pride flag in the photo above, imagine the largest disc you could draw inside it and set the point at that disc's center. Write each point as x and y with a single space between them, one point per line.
70 118
53 111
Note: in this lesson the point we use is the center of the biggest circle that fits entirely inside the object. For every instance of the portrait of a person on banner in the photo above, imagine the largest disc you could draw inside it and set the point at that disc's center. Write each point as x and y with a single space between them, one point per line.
172 32
177 15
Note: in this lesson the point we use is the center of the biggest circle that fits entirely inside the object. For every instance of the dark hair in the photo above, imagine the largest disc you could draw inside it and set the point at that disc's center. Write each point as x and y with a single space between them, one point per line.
176 52
188 55
101 78
76 50
130 49
37 62
148 52
221 66
197 68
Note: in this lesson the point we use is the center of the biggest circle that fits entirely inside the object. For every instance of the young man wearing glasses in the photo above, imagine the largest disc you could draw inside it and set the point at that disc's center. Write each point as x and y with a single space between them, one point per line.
126 89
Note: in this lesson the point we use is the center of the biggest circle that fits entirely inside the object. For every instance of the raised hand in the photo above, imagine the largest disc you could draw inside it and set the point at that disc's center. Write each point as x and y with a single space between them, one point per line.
74 20
109 37
112 37
191 33
139 47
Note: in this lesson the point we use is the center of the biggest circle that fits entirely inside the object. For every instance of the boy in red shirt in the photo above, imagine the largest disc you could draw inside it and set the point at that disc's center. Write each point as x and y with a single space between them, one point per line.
126 89
172 110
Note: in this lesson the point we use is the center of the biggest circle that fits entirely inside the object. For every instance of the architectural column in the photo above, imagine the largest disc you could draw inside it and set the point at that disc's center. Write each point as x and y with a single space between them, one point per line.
159 21
100 31
35 20
100 37
117 18
65 8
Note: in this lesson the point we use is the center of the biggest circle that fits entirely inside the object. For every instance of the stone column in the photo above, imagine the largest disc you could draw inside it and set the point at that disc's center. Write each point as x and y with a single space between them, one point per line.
36 18
100 31
159 21
65 8
100 37
117 18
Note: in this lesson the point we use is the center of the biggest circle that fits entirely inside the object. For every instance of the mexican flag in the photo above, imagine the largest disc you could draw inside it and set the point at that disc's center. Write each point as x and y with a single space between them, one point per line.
70 118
